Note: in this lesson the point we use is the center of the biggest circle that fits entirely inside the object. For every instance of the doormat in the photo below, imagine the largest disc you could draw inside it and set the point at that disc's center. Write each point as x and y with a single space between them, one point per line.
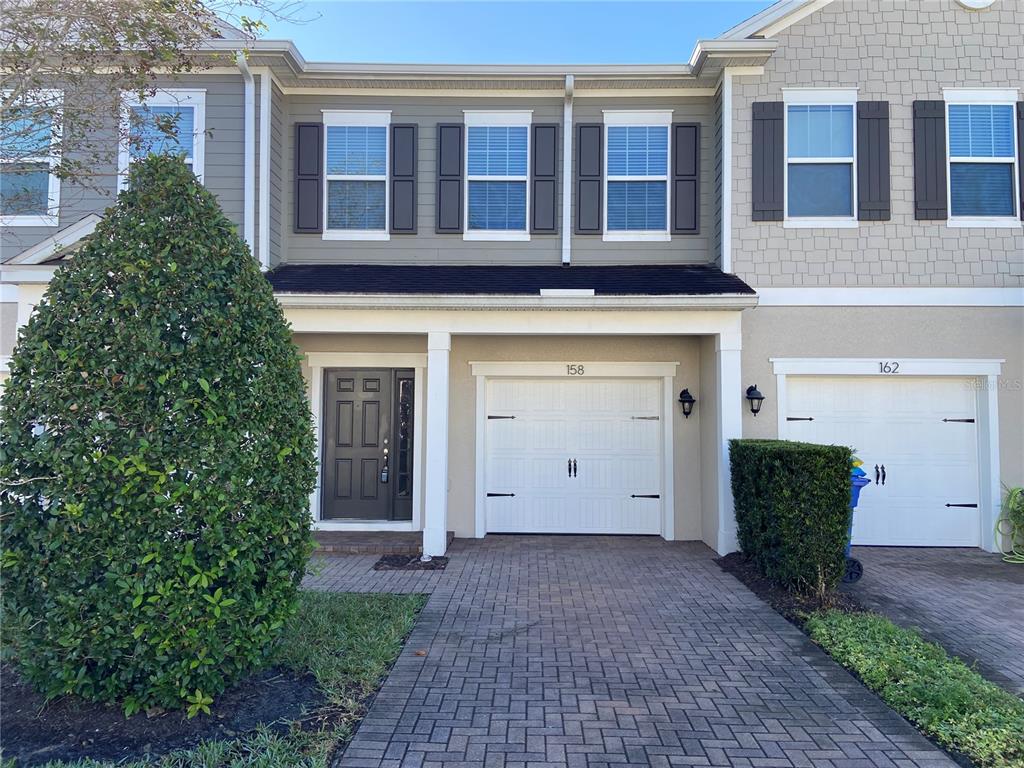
409 563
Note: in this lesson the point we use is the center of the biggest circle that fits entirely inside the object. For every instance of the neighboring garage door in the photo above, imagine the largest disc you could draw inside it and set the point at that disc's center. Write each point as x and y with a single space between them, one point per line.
920 433
573 456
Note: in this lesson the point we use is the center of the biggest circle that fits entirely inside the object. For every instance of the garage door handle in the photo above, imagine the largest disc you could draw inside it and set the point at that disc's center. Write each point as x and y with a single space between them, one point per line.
574 467
645 496
969 506
876 474
883 474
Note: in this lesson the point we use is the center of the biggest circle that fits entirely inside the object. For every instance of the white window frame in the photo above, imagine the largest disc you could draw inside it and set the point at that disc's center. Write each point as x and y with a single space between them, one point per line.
51 217
637 119
805 97
369 118
986 97
164 97
497 118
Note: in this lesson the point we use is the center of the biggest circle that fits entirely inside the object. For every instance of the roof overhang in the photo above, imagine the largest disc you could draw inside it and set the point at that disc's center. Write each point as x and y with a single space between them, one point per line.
773 19
355 301
59 244
293 73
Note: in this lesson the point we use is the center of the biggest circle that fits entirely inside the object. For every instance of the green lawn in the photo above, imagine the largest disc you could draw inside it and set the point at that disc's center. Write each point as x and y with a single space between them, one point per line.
942 696
348 642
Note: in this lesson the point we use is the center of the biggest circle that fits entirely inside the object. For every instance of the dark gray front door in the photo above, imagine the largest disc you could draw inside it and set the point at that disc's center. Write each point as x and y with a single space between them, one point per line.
367 444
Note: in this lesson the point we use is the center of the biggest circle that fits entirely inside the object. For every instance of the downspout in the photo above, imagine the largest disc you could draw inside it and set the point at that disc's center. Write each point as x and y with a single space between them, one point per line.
249 137
567 172
264 231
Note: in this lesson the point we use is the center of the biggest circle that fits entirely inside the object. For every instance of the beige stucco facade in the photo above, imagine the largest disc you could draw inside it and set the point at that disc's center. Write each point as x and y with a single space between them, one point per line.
691 451
892 333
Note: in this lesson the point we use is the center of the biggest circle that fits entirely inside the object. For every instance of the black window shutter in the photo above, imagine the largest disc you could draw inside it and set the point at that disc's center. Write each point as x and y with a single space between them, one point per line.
449 177
1020 154
873 197
309 179
403 179
544 179
685 178
589 165
768 161
930 160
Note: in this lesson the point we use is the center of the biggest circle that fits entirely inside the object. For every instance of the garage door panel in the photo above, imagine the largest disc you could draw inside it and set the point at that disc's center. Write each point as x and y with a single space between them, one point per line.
610 427
898 424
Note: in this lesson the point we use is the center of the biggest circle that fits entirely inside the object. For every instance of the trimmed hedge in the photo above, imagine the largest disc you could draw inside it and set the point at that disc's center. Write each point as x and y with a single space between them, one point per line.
156 459
793 510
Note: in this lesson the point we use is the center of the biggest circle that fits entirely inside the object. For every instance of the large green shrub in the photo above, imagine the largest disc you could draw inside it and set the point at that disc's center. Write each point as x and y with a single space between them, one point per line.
793 510
156 459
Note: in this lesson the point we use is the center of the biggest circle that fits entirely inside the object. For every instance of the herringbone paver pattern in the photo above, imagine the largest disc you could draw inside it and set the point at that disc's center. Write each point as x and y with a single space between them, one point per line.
608 651
967 600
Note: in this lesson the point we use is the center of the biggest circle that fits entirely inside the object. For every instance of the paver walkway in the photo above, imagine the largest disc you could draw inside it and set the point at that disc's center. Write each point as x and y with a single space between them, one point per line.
967 600
608 651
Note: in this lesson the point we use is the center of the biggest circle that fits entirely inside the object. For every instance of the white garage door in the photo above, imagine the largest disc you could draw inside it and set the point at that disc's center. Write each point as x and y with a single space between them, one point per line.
920 433
573 456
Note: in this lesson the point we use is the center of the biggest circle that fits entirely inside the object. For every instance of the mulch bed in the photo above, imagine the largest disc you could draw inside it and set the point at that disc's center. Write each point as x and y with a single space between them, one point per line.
792 607
70 728
409 563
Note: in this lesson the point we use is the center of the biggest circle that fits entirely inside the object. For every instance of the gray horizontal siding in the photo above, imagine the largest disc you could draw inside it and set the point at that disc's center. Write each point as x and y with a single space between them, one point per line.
223 166
428 247
591 249
277 175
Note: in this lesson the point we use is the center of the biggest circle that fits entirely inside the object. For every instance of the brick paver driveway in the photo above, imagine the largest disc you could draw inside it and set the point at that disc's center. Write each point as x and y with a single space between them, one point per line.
969 601
608 651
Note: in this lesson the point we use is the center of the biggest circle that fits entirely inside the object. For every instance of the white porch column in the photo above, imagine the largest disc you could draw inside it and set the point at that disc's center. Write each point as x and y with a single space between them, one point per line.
728 348
435 495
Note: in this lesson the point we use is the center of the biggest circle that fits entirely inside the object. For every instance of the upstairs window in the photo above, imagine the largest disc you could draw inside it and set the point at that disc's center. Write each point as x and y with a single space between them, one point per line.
982 160
356 157
29 190
636 162
820 161
169 122
497 172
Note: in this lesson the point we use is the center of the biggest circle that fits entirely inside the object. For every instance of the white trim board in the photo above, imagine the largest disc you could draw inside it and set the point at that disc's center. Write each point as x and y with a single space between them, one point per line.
984 371
869 366
602 370
890 297
317 362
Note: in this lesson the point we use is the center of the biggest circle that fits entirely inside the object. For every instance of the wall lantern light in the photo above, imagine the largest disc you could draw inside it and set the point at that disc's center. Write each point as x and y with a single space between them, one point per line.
755 398
687 401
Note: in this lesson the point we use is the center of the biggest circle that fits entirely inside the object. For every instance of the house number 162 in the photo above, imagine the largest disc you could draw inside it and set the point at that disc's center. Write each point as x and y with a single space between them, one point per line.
888 366
574 369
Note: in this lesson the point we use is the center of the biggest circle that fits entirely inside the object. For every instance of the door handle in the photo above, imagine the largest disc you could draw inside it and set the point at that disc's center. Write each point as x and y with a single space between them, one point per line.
883 474
574 467
876 474
384 471
568 467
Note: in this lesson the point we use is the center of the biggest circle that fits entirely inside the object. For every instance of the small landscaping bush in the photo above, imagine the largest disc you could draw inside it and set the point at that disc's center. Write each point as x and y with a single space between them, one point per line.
156 459
792 505
941 695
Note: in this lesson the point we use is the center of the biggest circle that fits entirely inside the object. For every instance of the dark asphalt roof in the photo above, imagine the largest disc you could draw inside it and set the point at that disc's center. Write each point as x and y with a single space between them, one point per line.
632 280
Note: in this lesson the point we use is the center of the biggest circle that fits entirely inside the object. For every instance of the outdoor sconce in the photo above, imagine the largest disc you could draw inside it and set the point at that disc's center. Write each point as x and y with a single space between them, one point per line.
687 401
755 398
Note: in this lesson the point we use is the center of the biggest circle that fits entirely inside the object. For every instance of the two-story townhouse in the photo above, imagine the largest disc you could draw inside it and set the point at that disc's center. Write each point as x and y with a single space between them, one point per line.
541 299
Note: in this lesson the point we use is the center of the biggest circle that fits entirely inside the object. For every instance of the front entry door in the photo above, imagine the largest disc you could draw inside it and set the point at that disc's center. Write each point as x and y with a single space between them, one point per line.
367 458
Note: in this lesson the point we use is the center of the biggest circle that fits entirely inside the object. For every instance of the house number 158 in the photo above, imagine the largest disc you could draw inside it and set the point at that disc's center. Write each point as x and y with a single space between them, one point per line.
574 369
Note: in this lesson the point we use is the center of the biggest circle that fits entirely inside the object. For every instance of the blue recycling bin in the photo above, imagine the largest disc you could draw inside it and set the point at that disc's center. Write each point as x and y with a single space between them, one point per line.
854 568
